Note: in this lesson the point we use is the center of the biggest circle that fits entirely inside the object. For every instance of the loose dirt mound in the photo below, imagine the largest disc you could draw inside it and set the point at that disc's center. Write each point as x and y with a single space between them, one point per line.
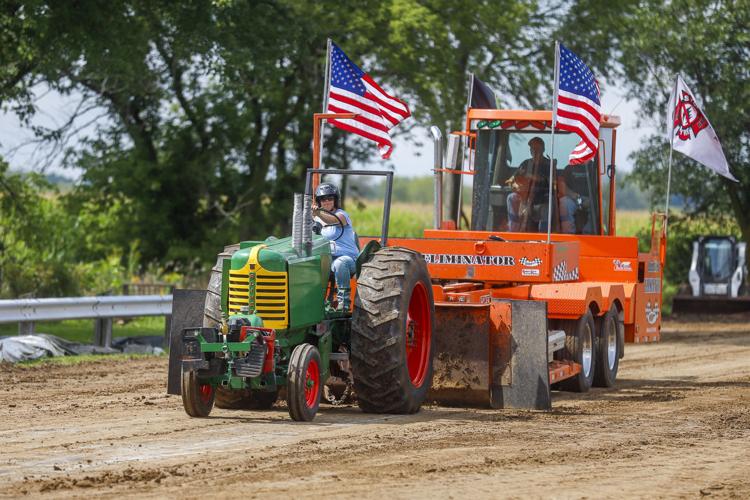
678 424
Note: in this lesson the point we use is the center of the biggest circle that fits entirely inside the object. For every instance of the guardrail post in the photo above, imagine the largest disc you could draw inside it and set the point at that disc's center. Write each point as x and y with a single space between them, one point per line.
26 328
103 332
167 328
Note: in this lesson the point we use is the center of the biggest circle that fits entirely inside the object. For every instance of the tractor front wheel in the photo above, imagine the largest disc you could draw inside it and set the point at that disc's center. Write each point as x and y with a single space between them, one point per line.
304 386
392 322
197 396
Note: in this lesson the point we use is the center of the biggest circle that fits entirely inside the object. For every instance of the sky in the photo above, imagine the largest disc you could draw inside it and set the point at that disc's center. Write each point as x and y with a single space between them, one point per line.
408 158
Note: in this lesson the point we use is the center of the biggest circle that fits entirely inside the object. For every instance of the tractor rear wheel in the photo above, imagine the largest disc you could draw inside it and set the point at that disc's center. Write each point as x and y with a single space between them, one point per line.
197 397
579 347
391 341
262 400
608 349
304 386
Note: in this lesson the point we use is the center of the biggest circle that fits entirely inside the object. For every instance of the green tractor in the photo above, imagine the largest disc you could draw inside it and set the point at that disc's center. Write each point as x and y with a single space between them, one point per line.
269 328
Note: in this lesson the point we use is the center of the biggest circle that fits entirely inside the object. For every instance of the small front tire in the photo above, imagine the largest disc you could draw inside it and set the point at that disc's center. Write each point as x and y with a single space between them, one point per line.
197 397
304 386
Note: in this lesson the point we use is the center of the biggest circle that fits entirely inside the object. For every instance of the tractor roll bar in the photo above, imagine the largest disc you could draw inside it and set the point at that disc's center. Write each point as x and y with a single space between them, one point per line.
388 190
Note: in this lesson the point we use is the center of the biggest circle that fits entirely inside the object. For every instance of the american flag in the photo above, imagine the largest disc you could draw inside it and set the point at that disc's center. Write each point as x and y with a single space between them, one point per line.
578 105
351 90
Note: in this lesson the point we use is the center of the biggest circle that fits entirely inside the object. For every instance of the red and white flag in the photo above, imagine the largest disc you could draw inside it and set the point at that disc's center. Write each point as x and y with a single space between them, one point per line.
351 90
690 132
577 104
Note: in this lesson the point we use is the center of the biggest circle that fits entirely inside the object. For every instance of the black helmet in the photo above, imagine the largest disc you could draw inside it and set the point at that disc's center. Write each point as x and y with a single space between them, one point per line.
327 189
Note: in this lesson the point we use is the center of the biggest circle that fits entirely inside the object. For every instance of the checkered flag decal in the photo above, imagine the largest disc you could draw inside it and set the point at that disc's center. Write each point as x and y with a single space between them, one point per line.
560 273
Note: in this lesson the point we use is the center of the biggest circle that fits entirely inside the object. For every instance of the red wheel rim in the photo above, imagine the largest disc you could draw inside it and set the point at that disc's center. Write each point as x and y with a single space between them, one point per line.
312 384
205 391
418 335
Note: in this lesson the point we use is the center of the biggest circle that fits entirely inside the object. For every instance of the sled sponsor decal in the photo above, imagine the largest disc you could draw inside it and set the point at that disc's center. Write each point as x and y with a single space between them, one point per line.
529 272
652 313
530 262
653 266
470 260
620 265
652 285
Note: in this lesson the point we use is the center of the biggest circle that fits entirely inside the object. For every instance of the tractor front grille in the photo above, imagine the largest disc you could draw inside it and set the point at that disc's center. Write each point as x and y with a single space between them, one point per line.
239 291
271 298
264 292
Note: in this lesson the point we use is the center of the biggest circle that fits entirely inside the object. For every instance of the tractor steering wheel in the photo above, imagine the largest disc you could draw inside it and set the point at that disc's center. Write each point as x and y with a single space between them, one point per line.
338 222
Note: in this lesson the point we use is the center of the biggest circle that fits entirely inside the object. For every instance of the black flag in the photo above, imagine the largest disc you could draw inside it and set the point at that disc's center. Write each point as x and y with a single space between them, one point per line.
481 95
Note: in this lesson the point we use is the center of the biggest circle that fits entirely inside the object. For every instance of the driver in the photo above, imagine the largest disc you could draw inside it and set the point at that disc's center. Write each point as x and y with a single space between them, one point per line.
530 186
337 227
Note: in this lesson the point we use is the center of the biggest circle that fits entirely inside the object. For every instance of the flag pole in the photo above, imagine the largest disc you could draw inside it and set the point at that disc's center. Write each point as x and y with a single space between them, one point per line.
671 150
552 139
464 156
326 88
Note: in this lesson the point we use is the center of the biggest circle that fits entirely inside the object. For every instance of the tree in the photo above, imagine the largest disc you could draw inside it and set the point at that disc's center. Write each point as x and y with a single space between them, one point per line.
202 110
708 43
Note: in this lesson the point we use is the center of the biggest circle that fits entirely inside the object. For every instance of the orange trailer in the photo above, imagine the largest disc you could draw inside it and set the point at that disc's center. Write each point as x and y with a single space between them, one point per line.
519 311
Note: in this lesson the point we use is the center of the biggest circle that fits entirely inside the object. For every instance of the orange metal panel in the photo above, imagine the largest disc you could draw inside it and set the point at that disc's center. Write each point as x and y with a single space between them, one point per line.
615 269
608 121
560 370
496 261
568 300
647 307
590 245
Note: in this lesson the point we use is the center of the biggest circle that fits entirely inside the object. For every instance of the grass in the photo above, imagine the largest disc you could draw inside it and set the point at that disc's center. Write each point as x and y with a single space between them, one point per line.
82 330
411 219
407 219
630 222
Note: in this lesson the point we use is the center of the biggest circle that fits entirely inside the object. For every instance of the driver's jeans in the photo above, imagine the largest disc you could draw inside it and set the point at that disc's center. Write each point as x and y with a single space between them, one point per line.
568 208
514 216
343 268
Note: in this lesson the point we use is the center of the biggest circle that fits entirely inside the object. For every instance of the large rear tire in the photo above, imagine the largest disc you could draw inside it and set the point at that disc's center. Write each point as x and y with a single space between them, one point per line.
392 323
262 400
607 349
579 347
197 397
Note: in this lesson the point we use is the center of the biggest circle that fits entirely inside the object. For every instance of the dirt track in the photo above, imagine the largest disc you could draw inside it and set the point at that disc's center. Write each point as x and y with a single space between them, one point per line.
677 426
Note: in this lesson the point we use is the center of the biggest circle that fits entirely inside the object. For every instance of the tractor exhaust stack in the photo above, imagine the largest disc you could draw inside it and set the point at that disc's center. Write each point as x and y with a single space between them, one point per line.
297 221
437 140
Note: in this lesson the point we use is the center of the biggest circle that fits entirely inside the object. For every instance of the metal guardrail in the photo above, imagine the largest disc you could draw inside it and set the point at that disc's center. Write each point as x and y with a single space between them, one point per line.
26 312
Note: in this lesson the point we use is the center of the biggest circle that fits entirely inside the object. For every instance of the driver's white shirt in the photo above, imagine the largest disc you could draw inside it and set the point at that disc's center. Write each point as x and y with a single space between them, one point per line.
342 243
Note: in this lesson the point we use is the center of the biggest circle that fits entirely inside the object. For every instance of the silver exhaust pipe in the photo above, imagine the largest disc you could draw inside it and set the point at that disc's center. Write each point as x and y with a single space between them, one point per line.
437 140
297 222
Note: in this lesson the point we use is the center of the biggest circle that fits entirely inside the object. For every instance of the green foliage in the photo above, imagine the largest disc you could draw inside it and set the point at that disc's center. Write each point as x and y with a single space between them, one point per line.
52 246
683 230
206 106
708 43
34 254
